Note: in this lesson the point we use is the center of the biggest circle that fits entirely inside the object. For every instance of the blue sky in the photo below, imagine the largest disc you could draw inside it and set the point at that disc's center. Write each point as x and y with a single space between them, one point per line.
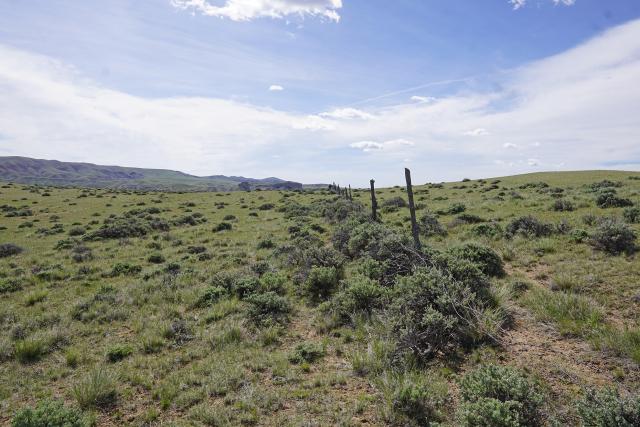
324 90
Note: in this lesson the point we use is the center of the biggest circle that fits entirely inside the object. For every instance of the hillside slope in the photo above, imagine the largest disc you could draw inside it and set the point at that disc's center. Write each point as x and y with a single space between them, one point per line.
68 174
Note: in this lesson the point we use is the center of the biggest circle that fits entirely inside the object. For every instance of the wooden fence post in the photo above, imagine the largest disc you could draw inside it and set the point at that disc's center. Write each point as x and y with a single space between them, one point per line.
374 203
414 223
350 194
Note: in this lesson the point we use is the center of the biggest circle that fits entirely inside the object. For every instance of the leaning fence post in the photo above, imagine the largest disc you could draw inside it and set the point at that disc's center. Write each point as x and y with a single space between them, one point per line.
374 203
414 224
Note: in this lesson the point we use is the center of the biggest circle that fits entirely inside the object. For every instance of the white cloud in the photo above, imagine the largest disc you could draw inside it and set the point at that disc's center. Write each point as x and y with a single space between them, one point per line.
367 146
517 4
509 145
275 88
422 99
477 132
533 162
246 10
346 113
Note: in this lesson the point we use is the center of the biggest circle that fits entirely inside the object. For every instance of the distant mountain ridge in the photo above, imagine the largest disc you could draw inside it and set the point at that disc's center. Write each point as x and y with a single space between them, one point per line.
26 170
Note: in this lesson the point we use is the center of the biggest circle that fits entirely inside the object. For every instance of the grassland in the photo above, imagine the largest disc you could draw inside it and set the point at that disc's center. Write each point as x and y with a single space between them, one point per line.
260 308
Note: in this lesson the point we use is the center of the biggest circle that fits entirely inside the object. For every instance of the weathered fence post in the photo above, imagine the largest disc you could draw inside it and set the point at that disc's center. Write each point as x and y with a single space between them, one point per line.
350 194
374 203
414 223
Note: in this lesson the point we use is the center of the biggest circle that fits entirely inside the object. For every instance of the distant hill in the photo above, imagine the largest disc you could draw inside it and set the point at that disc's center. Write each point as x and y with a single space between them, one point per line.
26 170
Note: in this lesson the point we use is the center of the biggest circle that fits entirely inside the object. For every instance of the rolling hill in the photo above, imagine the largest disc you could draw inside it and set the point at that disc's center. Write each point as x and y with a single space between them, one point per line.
69 174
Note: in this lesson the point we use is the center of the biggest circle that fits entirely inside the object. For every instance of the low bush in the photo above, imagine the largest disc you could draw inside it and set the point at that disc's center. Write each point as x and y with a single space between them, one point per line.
528 226
496 395
266 244
119 352
414 399
609 199
606 408
223 226
9 249
492 230
77 231
210 296
487 260
306 352
50 413
456 208
321 282
562 205
359 296
433 313
430 226
156 258
268 308
613 236
632 215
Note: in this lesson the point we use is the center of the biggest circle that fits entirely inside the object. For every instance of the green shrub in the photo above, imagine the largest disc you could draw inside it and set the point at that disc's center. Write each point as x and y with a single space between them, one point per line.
359 295
77 231
9 249
433 313
156 259
562 205
321 282
50 413
266 206
267 308
609 199
528 226
120 228
430 226
522 399
487 260
125 269
266 244
467 218
119 352
456 208
579 235
492 229
632 215
95 390
210 296
223 226
10 285
613 236
414 398
606 408
489 412
306 352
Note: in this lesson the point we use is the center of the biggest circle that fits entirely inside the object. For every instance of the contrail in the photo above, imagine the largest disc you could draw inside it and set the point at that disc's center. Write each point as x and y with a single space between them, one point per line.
398 92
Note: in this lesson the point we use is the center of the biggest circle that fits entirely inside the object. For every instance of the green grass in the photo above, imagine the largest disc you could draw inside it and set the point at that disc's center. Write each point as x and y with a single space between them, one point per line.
65 319
572 314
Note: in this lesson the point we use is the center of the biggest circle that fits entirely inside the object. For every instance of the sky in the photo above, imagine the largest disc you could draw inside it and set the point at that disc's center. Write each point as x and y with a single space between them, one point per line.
324 90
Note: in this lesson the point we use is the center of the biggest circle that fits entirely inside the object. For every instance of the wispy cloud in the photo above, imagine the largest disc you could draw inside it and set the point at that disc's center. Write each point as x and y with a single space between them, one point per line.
275 88
246 10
